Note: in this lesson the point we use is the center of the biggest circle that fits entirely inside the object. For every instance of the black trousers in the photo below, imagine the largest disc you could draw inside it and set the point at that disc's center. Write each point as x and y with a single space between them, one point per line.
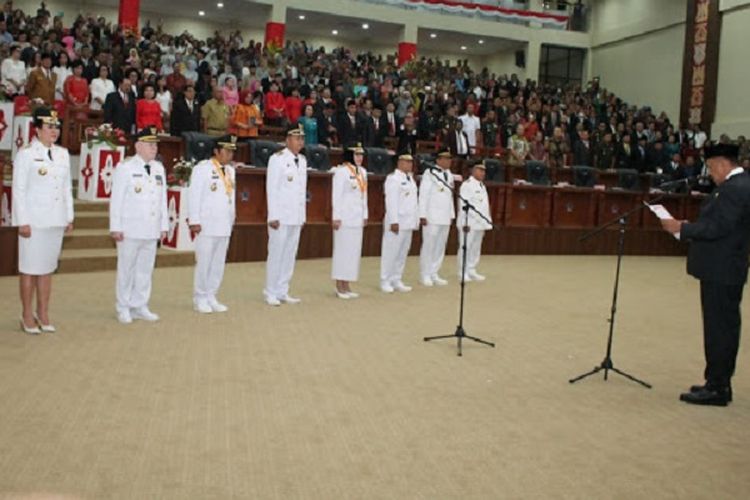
721 330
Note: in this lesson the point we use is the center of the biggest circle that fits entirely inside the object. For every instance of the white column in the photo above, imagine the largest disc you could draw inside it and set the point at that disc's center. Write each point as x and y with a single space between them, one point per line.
533 57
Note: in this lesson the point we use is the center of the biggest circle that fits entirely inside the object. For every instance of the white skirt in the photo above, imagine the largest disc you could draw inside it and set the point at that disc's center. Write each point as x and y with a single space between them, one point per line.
347 253
38 254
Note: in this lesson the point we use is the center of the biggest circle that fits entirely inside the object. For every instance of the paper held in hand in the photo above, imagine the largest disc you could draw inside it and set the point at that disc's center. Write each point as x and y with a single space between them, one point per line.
662 213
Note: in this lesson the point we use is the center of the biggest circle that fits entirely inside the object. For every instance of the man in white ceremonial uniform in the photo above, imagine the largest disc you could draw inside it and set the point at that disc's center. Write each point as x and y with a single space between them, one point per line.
401 220
211 214
349 203
436 214
43 212
471 226
286 196
138 219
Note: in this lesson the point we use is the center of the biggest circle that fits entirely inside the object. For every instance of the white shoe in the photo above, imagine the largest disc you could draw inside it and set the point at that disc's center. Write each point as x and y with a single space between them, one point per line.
477 277
342 295
202 307
401 287
386 287
44 328
427 282
124 317
353 295
144 314
467 278
34 330
439 281
290 300
217 306
273 301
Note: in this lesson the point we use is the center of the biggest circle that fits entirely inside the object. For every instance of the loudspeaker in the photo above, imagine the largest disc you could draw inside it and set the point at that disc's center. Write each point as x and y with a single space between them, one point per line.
521 58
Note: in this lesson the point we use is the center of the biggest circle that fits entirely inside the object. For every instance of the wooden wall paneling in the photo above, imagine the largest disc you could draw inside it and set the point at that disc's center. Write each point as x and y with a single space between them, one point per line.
528 206
574 207
612 204
251 195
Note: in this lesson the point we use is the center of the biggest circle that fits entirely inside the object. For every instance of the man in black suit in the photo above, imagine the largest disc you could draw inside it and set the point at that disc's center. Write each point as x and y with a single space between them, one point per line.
374 129
119 108
718 257
639 155
327 133
350 126
583 153
186 113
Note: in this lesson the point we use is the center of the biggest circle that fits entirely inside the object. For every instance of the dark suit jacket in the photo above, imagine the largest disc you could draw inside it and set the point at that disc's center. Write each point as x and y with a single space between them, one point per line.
407 141
453 143
325 137
583 155
639 159
720 238
119 115
349 134
182 120
370 137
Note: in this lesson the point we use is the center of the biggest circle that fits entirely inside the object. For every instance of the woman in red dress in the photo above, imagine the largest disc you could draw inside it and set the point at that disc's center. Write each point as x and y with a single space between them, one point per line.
148 109
76 88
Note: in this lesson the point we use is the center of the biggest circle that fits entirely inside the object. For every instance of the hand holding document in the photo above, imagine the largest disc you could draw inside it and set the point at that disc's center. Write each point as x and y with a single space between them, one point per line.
663 214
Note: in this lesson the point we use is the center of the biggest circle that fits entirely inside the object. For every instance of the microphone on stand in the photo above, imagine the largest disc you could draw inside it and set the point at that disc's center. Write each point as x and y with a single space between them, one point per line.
687 181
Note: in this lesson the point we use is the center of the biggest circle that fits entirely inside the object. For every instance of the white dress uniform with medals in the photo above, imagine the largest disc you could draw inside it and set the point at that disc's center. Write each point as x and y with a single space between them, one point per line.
349 201
476 192
211 203
42 199
138 209
286 197
435 205
401 207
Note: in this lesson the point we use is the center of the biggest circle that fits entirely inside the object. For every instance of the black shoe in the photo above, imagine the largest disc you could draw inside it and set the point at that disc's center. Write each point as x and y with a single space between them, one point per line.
698 388
707 396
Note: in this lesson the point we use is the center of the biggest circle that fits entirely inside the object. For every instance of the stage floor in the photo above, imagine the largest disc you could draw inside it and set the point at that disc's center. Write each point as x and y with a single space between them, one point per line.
337 399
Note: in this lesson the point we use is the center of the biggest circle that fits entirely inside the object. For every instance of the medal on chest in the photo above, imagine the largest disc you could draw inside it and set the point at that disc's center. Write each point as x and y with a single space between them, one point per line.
42 171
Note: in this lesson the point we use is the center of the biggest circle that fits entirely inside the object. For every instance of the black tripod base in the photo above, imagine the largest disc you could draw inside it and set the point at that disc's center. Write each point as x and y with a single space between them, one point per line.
607 366
460 335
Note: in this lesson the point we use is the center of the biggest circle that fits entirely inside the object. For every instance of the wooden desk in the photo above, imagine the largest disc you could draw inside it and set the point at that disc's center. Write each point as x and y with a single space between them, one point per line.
251 196
574 207
528 206
319 197
612 204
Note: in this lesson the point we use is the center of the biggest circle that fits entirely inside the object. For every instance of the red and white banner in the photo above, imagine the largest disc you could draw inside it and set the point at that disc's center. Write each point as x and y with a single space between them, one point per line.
274 39
406 52
179 236
96 170
481 10
128 14
23 133
6 203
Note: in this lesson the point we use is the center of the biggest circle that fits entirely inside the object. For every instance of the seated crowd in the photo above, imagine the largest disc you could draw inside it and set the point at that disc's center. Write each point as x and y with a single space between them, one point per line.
179 84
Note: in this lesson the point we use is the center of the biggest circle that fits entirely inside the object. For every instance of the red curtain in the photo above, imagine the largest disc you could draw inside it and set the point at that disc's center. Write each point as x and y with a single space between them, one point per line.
128 14
275 36
407 51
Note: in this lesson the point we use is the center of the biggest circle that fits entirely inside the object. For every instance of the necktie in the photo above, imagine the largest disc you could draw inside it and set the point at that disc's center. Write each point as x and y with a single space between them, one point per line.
125 98
49 153
408 177
148 168
296 161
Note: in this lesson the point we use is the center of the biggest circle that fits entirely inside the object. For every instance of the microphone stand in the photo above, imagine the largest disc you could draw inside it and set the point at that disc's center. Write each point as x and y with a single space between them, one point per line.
607 365
460 333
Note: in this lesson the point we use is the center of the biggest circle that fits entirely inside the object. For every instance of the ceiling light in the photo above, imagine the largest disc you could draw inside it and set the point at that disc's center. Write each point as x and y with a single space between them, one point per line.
334 32
220 5
365 26
481 42
463 47
301 17
201 13
433 35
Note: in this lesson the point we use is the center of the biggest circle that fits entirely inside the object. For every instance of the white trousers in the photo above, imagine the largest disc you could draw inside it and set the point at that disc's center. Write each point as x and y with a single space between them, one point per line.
434 238
347 253
282 252
393 254
210 257
473 250
135 265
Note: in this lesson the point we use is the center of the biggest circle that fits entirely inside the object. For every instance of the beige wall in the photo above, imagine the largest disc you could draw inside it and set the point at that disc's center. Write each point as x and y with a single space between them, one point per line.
733 98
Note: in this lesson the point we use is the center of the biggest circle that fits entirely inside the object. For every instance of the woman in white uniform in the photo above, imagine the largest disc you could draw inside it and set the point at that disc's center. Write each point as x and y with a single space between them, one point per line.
43 212
349 197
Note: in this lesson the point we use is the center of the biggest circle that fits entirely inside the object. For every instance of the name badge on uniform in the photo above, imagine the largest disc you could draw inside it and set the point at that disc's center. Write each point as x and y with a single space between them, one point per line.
137 175
213 186
214 176
42 171
159 180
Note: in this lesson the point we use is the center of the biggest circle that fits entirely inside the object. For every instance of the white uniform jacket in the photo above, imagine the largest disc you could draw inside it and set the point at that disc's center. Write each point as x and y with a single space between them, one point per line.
286 188
209 203
138 205
401 205
476 193
436 200
42 188
348 200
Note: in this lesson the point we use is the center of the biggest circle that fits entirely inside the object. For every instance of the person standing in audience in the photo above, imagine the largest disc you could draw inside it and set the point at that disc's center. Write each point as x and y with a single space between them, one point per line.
471 227
76 88
247 117
350 126
719 245
13 72
148 110
62 71
42 81
215 114
164 98
119 107
401 220
310 125
624 156
471 126
582 152
286 197
537 150
518 148
557 148
275 106
100 88
436 214
349 206
43 212
211 206
186 113
138 220
605 155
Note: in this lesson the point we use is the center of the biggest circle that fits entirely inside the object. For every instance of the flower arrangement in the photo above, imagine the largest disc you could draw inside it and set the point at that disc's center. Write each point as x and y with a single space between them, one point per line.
181 171
107 134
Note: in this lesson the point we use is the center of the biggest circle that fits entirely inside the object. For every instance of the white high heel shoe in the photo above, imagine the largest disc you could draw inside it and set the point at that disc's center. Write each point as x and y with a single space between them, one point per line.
44 328
31 331
342 295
